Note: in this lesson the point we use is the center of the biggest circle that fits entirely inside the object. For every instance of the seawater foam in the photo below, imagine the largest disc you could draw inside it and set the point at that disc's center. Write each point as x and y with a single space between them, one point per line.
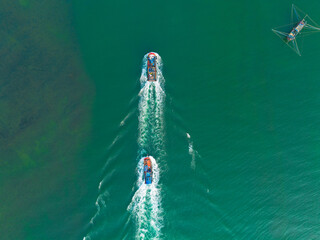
193 153
146 202
151 122
100 205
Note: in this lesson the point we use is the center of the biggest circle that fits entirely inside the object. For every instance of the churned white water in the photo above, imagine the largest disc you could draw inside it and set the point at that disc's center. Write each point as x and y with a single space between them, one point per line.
146 201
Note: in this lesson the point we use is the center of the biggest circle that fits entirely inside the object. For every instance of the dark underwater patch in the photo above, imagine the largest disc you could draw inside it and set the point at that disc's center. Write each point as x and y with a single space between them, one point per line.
45 118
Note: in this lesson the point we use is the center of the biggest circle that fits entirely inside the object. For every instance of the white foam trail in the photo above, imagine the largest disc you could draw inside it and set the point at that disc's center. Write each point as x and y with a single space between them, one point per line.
193 153
125 119
103 195
146 202
100 204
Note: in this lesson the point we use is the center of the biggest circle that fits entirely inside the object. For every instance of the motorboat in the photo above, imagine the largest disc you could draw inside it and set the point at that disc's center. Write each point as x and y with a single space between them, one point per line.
147 169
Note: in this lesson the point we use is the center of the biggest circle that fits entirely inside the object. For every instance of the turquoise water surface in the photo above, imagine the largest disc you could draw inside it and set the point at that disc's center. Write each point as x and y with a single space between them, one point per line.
232 125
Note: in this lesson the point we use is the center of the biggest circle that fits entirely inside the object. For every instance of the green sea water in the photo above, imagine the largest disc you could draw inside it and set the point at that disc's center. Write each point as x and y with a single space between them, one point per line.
234 126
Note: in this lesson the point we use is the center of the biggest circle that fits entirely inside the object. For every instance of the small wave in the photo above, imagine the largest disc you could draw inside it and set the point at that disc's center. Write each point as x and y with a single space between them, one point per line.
192 152
123 122
100 203
100 206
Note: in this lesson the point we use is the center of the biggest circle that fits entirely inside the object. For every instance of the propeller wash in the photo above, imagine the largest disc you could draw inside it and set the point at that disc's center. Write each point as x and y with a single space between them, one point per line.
145 205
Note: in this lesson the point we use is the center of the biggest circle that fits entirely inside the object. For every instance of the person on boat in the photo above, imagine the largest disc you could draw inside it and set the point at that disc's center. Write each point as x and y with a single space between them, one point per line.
152 61
148 163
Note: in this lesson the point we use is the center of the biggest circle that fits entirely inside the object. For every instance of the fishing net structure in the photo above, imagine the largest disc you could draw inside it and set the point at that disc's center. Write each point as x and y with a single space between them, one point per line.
307 26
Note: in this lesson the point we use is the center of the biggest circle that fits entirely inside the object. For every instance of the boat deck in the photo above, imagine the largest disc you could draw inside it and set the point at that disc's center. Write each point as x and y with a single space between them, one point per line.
151 69
296 30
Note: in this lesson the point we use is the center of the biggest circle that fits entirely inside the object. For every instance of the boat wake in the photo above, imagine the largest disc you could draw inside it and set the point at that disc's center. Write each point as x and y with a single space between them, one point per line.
192 152
146 201
145 206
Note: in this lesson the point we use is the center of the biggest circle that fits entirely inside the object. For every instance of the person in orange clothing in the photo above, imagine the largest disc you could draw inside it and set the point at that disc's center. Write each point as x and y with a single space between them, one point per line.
147 163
